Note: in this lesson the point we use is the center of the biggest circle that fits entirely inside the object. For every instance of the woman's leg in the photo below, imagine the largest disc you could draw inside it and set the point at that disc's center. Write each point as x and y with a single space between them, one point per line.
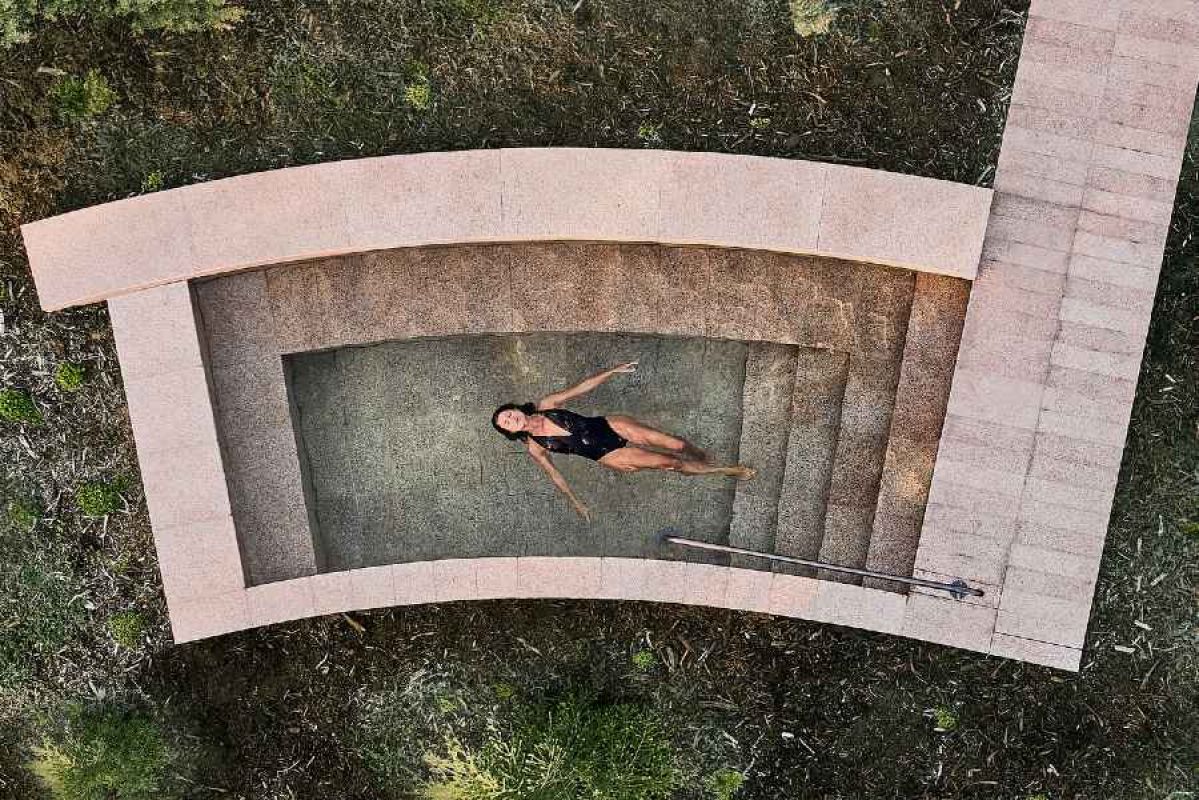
642 435
635 459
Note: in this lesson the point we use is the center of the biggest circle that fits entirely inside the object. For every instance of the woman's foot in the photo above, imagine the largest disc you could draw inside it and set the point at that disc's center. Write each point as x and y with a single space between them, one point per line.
742 472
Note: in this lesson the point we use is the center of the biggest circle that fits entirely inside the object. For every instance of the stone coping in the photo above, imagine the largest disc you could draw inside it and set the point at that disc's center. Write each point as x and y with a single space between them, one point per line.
920 615
506 195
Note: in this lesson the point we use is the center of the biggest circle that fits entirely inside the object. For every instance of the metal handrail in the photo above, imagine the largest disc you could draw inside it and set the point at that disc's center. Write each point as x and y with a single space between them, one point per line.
958 588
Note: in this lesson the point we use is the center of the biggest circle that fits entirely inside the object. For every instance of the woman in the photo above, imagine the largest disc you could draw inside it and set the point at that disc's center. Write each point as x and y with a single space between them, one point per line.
618 442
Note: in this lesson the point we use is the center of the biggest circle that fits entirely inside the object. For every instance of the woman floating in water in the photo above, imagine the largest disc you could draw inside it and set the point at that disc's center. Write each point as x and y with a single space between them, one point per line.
618 442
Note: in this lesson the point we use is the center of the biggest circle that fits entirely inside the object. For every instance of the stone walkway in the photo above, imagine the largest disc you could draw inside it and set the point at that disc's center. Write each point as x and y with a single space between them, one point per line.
1058 316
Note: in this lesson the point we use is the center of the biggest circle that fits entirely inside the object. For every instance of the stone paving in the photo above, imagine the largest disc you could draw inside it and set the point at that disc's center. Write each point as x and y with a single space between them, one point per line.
1058 316
1042 387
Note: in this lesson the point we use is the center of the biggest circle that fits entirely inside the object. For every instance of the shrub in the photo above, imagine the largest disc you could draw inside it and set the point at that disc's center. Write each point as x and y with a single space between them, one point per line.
23 515
812 17
104 754
644 660
723 784
79 99
153 182
944 719
69 376
17 406
20 18
126 628
97 499
575 749
418 94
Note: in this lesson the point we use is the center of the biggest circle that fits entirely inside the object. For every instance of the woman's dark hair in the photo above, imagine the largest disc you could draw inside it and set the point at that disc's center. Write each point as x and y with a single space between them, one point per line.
524 408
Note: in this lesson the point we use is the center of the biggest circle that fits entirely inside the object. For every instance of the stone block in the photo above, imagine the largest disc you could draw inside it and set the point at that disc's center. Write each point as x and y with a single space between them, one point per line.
283 601
453 579
156 331
497 578
1054 561
1081 12
791 595
1112 273
732 201
1156 51
581 194
1021 185
199 559
748 590
1047 143
1125 205
171 411
973 558
184 486
267 217
1034 652
949 622
1073 36
1114 365
96 253
424 198
1039 165
868 215
332 592
209 615
858 607
1123 69
994 399
559 577
706 585
383 586
1120 158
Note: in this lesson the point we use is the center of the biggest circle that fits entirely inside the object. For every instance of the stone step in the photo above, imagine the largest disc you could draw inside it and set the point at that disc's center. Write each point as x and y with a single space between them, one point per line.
926 372
821 377
766 401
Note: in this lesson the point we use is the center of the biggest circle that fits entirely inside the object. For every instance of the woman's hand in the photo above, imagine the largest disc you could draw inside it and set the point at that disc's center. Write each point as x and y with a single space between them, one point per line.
629 367
584 512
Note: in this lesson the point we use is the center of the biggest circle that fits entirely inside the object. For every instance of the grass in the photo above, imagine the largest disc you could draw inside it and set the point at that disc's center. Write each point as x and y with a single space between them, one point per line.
104 754
17 406
801 710
98 499
69 376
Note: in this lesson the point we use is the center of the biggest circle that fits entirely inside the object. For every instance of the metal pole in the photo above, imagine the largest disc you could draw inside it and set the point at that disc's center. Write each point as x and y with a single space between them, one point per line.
959 588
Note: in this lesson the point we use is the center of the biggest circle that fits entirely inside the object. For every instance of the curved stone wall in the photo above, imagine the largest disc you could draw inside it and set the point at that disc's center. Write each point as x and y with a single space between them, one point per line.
509 195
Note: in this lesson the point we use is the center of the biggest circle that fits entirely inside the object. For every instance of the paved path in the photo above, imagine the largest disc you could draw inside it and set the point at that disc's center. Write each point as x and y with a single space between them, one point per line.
1057 321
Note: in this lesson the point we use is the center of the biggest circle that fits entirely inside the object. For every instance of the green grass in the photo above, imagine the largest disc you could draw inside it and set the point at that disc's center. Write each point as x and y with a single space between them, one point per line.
79 99
40 603
104 754
16 405
22 515
69 376
127 629
574 749
724 784
98 499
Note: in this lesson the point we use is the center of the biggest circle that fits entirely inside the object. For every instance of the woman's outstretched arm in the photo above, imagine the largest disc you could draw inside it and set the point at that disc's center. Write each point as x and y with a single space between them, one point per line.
583 387
542 458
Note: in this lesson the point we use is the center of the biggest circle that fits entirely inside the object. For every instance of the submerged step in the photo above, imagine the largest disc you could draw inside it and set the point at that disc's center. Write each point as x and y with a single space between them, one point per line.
821 377
767 398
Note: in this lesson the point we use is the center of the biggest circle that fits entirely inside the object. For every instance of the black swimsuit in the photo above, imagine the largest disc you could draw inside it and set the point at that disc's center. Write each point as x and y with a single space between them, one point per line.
590 437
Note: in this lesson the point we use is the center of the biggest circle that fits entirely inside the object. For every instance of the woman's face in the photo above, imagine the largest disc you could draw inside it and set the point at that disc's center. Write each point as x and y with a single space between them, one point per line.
512 420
